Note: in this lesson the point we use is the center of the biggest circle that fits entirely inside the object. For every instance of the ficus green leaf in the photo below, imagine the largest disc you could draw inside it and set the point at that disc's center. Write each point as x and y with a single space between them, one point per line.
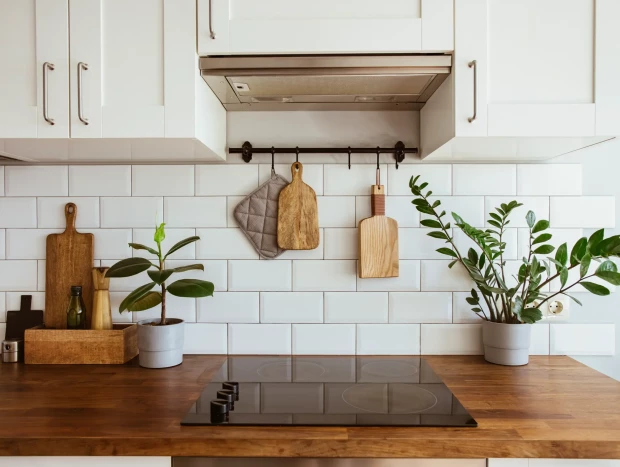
177 246
160 276
149 300
192 288
138 246
135 295
160 234
129 267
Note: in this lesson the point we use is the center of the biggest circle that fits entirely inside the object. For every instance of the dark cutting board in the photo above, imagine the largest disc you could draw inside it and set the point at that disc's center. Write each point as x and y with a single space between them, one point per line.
25 318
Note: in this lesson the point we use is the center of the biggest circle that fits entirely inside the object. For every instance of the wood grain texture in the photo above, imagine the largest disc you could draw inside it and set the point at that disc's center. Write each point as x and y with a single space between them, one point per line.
554 407
378 241
70 258
298 214
101 316
81 346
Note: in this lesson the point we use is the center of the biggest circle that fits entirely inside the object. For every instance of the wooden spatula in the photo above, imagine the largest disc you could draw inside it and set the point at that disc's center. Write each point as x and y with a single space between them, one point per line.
378 239
298 219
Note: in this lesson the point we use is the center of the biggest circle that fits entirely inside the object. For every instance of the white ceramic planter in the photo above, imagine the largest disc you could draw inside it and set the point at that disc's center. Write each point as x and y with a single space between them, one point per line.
506 344
161 346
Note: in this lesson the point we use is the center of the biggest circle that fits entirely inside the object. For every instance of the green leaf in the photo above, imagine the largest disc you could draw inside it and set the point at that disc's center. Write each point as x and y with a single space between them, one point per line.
561 254
191 267
150 300
160 234
192 288
530 218
540 226
530 315
594 240
472 255
160 276
420 202
458 219
596 289
413 180
542 239
543 250
607 266
609 276
579 249
129 267
518 306
494 223
134 296
495 216
563 277
436 234
452 263
430 223
436 203
425 210
585 265
181 244
138 246
447 251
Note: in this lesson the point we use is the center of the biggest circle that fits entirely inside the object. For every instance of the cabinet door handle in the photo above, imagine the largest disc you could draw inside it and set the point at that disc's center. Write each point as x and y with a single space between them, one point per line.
211 33
472 64
81 67
46 66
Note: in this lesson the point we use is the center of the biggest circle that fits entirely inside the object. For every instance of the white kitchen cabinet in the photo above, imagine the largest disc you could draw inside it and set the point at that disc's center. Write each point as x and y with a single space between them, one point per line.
531 79
229 27
33 33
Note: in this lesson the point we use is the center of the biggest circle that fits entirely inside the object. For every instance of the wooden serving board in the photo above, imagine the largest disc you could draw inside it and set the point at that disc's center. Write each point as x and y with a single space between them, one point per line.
298 214
70 258
378 240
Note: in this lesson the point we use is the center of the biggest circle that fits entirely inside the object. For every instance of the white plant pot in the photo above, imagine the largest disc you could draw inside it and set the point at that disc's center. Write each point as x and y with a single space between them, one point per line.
161 346
506 344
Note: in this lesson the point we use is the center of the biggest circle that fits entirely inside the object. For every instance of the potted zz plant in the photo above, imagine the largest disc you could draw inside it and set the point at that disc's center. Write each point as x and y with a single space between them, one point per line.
509 305
160 340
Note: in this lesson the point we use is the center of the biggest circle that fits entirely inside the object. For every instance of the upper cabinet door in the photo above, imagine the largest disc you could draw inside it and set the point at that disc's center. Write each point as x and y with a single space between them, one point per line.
324 26
34 57
606 94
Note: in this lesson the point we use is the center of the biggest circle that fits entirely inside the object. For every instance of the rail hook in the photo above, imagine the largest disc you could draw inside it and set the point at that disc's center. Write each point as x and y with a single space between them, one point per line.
297 154
378 168
399 152
349 157
273 156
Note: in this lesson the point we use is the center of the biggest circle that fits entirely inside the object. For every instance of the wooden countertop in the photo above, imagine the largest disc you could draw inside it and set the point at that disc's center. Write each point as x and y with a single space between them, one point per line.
553 407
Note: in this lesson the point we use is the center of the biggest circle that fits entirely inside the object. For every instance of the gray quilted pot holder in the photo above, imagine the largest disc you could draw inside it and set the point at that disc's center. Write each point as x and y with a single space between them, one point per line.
257 216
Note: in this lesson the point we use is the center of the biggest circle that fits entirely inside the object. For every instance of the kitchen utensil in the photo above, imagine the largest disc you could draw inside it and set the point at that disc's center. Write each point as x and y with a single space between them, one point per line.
298 222
257 216
378 241
101 315
70 257
12 350
18 321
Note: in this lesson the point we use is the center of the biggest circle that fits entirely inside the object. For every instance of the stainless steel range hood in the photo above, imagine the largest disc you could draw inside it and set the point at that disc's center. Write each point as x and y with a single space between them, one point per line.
319 82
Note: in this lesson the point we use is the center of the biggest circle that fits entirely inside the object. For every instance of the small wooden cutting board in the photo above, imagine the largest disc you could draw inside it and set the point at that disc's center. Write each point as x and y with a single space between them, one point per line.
298 219
70 257
378 240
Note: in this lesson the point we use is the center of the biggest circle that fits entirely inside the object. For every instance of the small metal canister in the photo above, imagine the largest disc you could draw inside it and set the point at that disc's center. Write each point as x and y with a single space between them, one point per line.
12 350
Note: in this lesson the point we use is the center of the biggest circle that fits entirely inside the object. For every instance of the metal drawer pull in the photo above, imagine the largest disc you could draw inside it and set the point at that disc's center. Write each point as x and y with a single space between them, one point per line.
472 64
211 33
46 66
81 67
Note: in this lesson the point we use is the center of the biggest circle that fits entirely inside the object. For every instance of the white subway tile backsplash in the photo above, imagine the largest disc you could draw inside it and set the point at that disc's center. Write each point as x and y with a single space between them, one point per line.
336 211
231 204
51 212
224 244
388 339
416 244
145 237
484 179
312 174
162 180
115 301
2 331
195 212
13 300
539 344
470 208
582 339
27 243
538 204
2 307
420 307
229 307
36 180
111 243
1 181
18 212
451 339
356 307
125 284
398 208
317 253
215 271
549 179
251 339
461 310
226 180
326 275
2 244
261 276
131 212
291 307
438 177
201 338
437 277
324 339
408 280
595 212
19 275
341 243
100 180
340 180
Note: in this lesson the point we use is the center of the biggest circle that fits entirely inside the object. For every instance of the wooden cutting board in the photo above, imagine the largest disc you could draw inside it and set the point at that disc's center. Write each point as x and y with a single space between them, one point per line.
298 214
378 240
70 257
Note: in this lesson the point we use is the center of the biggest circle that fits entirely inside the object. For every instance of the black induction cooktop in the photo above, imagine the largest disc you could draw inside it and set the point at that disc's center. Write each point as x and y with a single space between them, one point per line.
342 391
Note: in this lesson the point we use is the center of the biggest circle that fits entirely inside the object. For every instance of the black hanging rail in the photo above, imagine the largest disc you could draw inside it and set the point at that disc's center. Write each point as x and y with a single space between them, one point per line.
399 150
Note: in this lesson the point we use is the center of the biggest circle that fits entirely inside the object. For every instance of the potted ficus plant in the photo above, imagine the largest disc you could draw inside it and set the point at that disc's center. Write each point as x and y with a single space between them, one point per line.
509 305
160 340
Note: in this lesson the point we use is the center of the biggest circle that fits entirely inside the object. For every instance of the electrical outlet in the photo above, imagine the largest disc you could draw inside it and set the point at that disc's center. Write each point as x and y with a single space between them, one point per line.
558 308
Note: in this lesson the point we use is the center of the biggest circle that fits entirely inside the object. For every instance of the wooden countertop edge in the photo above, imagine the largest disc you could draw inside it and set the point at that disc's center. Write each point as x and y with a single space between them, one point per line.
344 448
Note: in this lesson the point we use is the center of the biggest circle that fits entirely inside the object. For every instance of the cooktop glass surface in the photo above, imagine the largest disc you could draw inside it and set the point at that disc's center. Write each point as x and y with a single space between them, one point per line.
343 391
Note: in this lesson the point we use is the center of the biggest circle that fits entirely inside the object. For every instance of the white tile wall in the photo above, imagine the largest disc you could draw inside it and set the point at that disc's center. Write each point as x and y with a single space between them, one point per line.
306 301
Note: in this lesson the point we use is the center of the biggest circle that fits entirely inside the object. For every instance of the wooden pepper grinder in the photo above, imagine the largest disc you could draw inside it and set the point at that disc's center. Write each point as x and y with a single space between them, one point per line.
101 318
